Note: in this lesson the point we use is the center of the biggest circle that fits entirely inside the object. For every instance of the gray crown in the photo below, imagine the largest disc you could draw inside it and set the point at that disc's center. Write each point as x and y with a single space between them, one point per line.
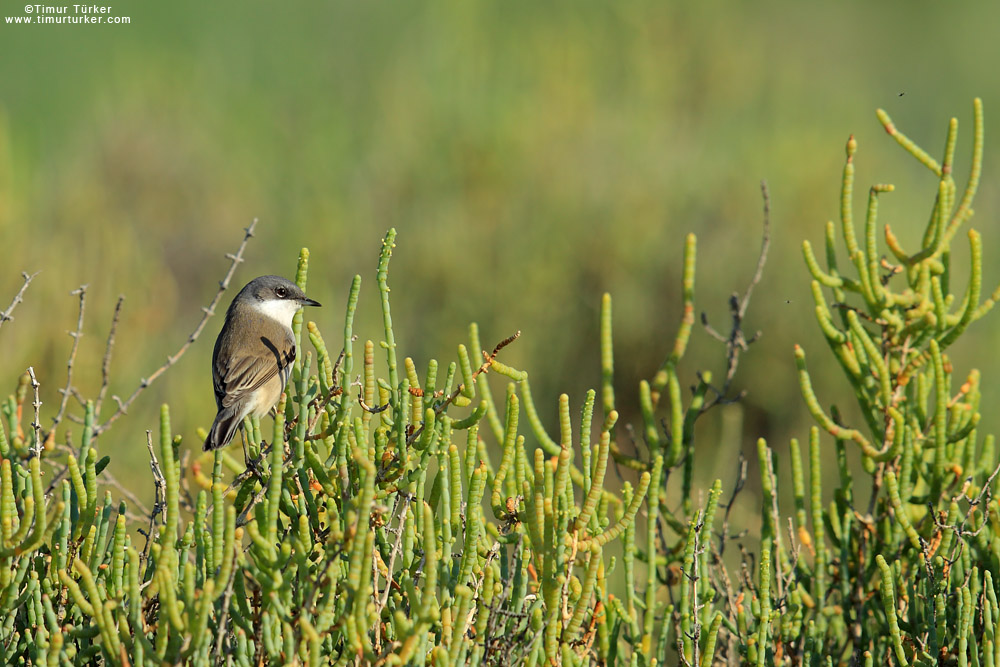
267 288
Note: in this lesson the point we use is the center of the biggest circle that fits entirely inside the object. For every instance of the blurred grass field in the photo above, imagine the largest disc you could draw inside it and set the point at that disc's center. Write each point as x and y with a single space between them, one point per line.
532 156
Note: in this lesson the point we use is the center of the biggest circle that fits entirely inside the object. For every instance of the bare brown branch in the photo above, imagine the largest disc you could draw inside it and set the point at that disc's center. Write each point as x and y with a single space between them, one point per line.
67 391
209 311
106 364
159 502
36 426
18 298
737 342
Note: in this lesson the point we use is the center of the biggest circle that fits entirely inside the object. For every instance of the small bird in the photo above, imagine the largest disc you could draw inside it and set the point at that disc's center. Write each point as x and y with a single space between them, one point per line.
254 353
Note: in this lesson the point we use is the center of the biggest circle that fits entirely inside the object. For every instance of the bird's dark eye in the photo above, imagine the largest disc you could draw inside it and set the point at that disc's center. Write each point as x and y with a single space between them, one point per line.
280 292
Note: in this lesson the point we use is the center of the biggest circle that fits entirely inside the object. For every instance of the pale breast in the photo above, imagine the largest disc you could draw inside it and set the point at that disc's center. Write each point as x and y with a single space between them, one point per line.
268 394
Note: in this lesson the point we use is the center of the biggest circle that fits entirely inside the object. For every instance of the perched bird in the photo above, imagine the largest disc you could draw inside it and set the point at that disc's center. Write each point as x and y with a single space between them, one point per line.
254 353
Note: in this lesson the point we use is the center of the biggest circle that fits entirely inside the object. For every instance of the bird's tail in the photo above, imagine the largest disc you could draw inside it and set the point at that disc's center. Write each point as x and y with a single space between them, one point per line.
223 428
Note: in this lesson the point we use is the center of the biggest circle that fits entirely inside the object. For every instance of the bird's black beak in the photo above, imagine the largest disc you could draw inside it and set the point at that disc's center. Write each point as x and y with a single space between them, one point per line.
309 302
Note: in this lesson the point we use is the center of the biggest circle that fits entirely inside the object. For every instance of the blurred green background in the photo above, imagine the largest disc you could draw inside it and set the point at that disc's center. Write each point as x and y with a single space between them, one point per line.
531 155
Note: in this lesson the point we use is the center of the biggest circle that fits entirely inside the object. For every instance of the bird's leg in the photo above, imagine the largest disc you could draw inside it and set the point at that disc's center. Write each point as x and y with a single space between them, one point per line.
253 465
246 452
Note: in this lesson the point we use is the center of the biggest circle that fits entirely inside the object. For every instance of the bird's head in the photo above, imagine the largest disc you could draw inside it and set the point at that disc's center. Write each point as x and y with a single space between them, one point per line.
276 297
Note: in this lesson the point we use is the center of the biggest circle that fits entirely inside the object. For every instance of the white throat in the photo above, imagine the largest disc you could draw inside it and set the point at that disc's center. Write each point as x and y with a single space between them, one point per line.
279 310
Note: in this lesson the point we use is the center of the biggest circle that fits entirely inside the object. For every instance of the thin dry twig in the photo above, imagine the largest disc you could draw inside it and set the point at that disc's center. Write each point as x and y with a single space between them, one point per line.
36 426
736 342
159 506
727 587
959 530
695 634
400 529
106 364
67 391
764 245
741 480
79 399
505 643
208 311
18 298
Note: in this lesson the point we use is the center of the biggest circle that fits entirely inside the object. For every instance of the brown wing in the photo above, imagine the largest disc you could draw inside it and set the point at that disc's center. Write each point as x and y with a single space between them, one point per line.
236 376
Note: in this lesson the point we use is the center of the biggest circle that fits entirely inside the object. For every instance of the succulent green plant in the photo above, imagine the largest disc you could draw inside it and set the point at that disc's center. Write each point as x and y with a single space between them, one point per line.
372 524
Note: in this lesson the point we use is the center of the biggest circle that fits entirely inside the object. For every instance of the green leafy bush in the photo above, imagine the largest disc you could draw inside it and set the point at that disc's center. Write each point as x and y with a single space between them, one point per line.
370 523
